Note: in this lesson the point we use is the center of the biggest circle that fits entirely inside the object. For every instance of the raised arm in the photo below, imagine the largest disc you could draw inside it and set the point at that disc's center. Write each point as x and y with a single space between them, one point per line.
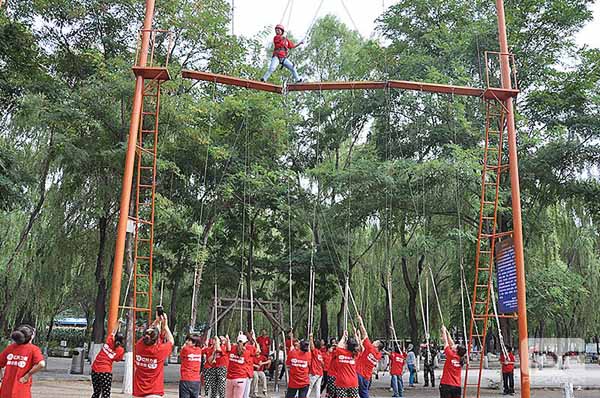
311 341
448 342
363 330
166 330
343 340
253 335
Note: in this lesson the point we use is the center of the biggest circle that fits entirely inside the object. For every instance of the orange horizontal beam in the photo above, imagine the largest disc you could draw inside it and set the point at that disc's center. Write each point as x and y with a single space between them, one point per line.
231 81
152 72
490 93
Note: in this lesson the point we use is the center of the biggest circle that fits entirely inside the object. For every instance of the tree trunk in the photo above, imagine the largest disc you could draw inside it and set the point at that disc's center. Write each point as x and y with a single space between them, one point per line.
173 306
100 303
324 324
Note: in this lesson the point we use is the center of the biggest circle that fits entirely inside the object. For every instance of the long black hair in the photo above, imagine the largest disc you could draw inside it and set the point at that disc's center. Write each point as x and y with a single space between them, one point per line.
461 350
151 336
119 339
352 345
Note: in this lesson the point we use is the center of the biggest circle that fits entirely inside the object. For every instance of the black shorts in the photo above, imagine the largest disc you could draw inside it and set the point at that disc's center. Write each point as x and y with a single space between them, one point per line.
447 391
297 392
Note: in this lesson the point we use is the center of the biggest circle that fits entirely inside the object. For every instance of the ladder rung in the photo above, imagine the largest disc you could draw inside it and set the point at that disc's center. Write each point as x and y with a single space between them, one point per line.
147 150
143 257
138 309
488 218
478 286
496 167
141 293
148 131
145 186
480 302
143 240
483 270
141 275
149 113
486 202
146 167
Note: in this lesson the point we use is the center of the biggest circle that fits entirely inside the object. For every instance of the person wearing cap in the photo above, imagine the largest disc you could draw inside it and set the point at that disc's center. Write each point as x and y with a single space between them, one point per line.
280 55
237 370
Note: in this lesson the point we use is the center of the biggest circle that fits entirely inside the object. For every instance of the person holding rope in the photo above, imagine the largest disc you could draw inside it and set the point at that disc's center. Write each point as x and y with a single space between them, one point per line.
151 351
346 379
315 370
191 359
112 351
367 360
280 55
428 354
298 361
397 363
450 384
332 373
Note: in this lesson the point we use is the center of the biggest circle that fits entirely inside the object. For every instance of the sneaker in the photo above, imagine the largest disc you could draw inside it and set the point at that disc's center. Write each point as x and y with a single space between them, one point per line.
299 80
262 80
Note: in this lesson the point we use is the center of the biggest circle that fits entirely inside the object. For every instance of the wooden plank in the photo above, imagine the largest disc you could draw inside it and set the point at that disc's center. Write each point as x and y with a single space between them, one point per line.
152 72
490 93
231 81
325 86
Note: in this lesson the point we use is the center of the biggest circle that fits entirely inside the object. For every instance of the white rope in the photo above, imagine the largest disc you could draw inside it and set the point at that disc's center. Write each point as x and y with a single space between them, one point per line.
437 298
425 326
289 200
350 16
287 6
312 22
500 336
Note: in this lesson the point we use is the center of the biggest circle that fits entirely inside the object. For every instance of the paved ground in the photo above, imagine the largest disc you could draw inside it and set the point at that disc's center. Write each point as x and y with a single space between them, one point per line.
56 382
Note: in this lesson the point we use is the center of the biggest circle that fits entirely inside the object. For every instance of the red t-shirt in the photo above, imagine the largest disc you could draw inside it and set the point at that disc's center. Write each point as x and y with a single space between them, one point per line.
222 358
452 368
257 360
191 358
316 363
238 365
508 368
397 361
298 362
345 367
107 355
326 359
250 364
208 353
332 363
282 45
18 359
264 342
148 368
367 359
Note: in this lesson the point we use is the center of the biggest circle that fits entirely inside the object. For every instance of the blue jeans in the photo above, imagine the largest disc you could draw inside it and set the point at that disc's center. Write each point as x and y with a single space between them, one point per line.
286 64
397 386
413 373
363 387
189 389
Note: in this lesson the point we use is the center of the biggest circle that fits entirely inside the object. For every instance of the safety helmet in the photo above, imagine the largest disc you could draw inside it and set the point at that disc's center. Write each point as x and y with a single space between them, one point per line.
280 26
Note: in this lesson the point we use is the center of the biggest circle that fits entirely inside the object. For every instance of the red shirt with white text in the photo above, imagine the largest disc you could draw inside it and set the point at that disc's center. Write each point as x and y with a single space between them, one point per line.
191 358
148 368
238 364
316 363
452 368
367 359
18 359
397 361
107 355
298 362
345 368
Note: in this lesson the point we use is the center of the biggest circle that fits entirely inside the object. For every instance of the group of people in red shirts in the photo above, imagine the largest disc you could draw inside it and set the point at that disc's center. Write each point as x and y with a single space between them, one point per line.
232 368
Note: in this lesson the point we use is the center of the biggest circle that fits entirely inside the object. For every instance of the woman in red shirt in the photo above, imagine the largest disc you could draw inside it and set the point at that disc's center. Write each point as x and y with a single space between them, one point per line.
326 362
150 354
237 372
280 55
397 363
331 372
346 380
20 361
191 359
112 351
450 384
298 363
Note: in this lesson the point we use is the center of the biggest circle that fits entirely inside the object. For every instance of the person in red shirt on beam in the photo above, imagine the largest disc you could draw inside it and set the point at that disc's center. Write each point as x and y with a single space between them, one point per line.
280 55
191 359
112 351
20 360
151 351
508 369
450 384
264 341
346 380
397 363
367 360
315 370
298 362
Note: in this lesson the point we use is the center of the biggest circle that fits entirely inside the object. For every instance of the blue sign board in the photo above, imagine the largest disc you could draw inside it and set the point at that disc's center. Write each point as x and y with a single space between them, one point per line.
507 277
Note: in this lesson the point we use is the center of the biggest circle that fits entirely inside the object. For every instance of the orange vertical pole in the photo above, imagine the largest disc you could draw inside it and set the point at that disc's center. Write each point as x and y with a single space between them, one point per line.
516 204
117 274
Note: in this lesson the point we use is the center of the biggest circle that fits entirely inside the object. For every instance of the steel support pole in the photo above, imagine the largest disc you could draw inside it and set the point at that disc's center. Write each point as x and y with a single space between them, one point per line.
117 273
516 204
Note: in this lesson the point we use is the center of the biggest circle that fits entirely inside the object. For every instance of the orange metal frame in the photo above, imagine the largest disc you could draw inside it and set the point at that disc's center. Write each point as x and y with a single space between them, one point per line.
495 97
